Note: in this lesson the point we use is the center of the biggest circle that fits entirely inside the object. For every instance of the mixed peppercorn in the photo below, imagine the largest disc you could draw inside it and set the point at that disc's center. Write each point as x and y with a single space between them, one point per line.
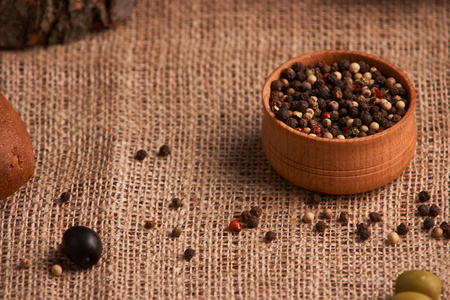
343 100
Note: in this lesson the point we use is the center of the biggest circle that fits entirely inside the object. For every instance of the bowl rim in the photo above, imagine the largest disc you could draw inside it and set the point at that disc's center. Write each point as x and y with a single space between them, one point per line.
411 94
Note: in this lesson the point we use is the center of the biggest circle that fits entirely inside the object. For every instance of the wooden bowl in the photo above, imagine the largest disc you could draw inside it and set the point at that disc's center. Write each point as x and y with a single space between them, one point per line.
334 166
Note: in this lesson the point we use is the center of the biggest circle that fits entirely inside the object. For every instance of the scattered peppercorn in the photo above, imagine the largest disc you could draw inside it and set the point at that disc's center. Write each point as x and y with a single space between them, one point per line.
177 203
402 229
150 224
308 217
141 154
252 222
344 217
393 237
327 213
189 253
437 232
235 226
164 150
256 211
428 223
65 196
375 217
25 263
56 270
321 226
176 232
270 236
445 226
434 210
424 196
245 216
422 210
361 226
364 234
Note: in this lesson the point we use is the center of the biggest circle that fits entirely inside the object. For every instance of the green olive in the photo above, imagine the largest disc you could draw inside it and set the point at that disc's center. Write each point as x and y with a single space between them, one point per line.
410 296
419 281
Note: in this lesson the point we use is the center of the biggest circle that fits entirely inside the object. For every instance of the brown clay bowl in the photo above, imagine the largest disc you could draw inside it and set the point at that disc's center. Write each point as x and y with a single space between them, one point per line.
335 166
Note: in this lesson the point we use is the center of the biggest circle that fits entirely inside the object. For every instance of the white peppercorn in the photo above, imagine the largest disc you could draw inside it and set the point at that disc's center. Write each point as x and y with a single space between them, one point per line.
373 70
363 128
313 134
393 237
367 75
350 122
340 137
327 213
311 79
354 67
328 135
366 93
297 114
374 126
308 217
338 75
399 85
354 104
357 76
386 105
56 270
400 104
306 130
437 232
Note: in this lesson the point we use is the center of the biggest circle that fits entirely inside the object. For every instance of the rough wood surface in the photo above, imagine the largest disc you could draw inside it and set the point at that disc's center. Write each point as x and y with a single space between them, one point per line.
335 166
29 22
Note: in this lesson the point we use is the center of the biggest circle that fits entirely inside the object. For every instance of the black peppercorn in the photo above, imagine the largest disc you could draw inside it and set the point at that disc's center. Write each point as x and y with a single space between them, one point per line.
424 196
65 196
141 154
402 229
360 227
334 116
321 226
291 122
445 226
296 85
428 223
189 253
434 210
344 217
298 67
332 79
364 106
270 236
306 86
357 122
256 211
343 65
422 210
288 73
245 216
176 203
164 150
375 217
150 224
353 112
364 234
283 114
252 222
300 76
276 85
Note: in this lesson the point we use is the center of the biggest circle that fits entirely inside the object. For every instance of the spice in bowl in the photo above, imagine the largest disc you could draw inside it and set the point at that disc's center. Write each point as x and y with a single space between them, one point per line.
343 100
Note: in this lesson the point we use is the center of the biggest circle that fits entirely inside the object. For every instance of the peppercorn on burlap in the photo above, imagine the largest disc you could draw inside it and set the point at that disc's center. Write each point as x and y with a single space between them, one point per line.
189 74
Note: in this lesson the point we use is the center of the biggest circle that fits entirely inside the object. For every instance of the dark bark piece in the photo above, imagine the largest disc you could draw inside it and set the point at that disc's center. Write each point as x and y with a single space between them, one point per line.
29 22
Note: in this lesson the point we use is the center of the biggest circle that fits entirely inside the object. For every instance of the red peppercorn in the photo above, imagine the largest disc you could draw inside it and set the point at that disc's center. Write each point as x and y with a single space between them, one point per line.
235 226
374 90
380 95
356 88
316 129
325 76
345 129
326 115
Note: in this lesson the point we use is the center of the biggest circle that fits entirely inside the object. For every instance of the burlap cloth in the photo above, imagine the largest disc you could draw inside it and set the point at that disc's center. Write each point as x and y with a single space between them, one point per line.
189 74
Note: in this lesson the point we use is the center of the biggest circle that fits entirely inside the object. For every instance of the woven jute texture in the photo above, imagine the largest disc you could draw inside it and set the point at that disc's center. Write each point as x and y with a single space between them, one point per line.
189 74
